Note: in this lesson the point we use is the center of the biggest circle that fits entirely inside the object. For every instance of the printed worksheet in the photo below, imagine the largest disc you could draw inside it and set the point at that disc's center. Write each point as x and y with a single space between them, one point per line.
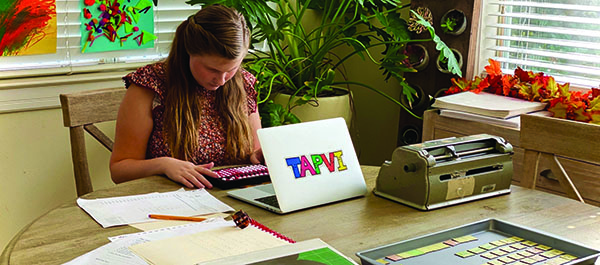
117 251
135 209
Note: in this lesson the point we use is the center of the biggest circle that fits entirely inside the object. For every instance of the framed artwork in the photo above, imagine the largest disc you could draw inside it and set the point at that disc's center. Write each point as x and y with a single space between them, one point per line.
112 25
27 27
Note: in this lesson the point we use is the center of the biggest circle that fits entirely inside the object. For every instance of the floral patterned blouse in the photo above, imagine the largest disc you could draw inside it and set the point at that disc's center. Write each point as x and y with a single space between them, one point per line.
211 131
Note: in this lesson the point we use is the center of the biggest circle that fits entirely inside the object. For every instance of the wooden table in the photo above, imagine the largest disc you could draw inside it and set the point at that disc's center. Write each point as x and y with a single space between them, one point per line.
349 226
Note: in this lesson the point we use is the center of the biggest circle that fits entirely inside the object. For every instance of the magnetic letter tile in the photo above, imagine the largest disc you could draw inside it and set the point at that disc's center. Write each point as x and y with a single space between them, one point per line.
516 239
487 246
528 261
508 240
432 248
506 259
393 257
525 253
518 246
382 261
568 257
450 242
551 253
535 250
498 252
464 254
515 256
537 258
476 250
464 239
508 249
410 253
488 255
518 263
543 247
498 243
556 261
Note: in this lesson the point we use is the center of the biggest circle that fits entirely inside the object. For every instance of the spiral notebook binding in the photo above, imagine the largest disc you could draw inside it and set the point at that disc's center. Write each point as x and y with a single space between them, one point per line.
270 231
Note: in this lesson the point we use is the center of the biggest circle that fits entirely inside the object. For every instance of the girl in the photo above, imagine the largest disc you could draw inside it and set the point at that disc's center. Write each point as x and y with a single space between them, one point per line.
195 110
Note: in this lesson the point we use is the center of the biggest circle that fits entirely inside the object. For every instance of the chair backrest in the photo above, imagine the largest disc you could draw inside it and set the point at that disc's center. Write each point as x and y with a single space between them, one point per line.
81 110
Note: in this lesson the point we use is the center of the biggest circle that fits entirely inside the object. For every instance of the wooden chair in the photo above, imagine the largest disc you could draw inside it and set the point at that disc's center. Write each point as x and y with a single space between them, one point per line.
546 139
81 110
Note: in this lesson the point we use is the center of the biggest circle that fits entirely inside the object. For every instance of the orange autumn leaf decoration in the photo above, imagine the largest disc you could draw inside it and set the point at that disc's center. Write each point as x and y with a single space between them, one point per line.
562 103
493 68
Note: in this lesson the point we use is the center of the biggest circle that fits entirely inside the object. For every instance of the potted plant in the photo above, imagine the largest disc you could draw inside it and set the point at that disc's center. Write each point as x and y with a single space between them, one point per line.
307 62
454 22
442 61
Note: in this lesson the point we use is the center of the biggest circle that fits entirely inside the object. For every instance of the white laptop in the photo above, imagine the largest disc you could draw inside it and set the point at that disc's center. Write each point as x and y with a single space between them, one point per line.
310 164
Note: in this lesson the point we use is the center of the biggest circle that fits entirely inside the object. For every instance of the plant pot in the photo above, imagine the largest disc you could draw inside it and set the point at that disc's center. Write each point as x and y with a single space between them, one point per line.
418 57
443 67
325 108
458 17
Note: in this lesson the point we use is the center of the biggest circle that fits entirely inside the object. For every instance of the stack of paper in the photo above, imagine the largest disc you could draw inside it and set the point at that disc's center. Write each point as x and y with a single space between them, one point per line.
487 107
118 252
512 122
135 209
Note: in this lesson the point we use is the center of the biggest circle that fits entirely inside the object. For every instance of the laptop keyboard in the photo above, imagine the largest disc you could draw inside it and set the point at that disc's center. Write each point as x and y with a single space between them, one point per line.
269 200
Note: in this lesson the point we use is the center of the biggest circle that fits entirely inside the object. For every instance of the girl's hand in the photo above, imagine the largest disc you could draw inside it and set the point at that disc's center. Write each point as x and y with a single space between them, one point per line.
189 174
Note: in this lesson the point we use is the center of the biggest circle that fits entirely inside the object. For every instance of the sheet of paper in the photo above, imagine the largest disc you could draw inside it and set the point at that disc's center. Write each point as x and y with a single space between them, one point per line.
207 245
117 251
112 253
180 230
135 209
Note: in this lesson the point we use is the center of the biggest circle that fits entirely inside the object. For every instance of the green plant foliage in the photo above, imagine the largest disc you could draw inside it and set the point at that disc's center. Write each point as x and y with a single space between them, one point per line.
449 24
276 115
445 52
307 61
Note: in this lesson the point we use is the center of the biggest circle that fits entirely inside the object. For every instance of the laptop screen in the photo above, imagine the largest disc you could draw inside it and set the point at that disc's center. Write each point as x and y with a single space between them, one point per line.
312 163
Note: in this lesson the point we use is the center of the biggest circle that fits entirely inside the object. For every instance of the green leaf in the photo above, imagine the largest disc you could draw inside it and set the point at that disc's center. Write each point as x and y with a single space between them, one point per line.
272 114
408 91
398 26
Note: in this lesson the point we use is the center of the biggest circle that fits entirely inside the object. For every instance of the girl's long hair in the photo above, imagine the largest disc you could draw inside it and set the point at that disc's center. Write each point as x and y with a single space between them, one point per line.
214 30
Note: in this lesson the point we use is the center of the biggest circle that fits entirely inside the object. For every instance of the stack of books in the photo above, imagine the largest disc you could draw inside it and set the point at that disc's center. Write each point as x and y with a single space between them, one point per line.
489 108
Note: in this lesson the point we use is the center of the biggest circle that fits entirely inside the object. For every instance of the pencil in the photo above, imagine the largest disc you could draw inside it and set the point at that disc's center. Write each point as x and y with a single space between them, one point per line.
178 218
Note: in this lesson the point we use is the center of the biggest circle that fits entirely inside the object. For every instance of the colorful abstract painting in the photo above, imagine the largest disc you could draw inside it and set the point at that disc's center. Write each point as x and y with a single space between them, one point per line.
111 25
27 27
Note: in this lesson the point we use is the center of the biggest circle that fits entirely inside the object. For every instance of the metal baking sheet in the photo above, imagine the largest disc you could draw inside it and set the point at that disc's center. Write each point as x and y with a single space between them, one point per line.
485 231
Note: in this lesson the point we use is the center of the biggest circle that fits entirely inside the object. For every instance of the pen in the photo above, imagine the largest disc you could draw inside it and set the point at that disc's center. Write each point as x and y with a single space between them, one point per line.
178 218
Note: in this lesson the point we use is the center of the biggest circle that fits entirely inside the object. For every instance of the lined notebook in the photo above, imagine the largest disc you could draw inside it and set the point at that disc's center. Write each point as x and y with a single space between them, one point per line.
210 245
313 251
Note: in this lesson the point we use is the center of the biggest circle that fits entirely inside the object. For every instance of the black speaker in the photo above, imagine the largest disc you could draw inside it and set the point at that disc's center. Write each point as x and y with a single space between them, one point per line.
409 134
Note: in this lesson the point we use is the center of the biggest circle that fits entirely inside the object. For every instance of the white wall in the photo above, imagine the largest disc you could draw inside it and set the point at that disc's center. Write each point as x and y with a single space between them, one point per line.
36 172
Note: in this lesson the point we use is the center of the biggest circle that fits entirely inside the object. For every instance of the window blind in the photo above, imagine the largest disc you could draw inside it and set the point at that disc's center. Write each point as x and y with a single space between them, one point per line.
558 37
68 58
